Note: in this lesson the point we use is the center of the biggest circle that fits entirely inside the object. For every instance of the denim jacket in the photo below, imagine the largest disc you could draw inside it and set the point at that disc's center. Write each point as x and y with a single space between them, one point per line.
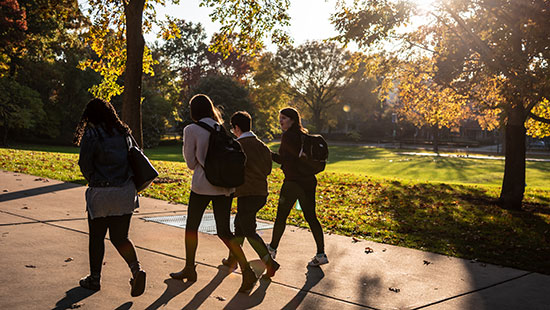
104 158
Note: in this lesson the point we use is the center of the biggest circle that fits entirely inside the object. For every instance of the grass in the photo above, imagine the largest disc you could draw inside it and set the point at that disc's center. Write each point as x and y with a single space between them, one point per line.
460 220
390 164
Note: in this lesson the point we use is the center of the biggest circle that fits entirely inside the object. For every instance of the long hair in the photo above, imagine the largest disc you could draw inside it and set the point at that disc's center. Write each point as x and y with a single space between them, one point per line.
97 112
201 106
295 116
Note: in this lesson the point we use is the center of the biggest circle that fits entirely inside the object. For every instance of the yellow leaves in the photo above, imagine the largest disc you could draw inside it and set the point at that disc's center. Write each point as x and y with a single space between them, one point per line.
423 101
169 29
535 128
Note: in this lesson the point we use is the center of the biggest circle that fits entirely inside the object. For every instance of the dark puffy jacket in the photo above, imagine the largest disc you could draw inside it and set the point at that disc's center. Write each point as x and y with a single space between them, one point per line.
104 158
288 156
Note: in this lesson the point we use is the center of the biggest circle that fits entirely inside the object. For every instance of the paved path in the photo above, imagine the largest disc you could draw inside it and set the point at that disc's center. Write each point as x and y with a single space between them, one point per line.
43 253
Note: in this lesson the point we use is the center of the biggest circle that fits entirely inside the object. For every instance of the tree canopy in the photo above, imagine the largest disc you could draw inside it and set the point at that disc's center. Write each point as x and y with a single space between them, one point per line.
493 52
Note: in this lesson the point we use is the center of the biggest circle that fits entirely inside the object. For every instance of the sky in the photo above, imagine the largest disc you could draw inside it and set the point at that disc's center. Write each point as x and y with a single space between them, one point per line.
309 18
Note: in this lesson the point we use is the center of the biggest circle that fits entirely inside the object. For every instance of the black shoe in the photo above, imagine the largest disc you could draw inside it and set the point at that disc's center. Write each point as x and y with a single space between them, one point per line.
188 273
249 280
271 267
91 283
230 262
138 283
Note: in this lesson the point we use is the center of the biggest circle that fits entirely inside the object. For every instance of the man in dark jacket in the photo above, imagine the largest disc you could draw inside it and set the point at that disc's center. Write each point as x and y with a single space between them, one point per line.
252 195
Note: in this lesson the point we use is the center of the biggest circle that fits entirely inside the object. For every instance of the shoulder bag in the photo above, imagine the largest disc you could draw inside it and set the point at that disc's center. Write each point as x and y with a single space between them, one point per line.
144 172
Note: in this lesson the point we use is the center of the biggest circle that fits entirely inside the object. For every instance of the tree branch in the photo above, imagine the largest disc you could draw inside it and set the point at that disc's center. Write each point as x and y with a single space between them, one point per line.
539 118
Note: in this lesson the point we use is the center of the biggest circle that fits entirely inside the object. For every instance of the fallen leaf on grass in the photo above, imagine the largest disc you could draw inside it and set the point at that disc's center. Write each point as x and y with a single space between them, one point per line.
368 250
394 289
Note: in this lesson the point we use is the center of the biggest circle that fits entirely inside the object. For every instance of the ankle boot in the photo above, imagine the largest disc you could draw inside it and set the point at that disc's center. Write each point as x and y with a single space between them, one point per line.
230 262
271 266
137 282
188 273
249 279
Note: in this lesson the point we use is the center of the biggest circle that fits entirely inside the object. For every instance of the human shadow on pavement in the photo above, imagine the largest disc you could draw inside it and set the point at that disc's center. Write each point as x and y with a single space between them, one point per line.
243 301
206 291
313 276
173 288
37 191
72 297
125 306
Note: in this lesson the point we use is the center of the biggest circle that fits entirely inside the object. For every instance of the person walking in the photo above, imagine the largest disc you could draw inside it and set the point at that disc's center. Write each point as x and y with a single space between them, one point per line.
195 147
111 195
298 185
252 195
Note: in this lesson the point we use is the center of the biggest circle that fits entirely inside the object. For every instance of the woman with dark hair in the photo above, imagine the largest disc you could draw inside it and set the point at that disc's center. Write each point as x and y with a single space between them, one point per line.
195 147
297 185
111 196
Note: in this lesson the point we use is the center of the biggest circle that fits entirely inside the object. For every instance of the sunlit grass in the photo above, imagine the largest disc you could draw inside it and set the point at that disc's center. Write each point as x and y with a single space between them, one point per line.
451 219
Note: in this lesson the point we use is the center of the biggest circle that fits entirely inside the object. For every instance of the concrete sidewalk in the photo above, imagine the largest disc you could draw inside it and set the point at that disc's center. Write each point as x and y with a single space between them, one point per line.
43 254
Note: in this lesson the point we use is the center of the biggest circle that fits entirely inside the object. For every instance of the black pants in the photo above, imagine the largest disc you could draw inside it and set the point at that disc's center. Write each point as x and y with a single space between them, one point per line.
222 210
303 191
118 227
245 223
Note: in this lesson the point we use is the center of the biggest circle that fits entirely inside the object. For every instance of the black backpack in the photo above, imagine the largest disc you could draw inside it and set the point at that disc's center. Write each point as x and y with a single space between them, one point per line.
225 160
314 153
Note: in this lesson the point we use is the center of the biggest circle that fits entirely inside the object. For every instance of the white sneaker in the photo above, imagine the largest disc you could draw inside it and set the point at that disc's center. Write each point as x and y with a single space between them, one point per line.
272 251
318 260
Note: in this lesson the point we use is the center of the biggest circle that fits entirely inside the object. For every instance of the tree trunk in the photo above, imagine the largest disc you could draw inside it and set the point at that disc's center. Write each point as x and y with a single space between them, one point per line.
131 102
513 184
317 121
436 139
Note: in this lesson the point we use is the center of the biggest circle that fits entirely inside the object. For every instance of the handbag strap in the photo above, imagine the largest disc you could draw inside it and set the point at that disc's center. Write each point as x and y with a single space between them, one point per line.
130 141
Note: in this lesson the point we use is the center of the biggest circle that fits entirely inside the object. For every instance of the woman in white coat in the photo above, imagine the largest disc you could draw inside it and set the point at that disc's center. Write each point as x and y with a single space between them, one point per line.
195 147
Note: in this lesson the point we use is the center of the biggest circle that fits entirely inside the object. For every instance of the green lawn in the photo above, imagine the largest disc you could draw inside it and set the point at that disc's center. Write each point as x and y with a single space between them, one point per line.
389 164
460 220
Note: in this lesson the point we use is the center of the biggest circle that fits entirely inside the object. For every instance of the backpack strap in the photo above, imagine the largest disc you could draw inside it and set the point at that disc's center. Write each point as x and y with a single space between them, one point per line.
302 137
205 126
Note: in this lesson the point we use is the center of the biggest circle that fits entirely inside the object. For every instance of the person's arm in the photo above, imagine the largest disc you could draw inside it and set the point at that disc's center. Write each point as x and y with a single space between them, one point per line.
189 148
85 159
267 165
290 146
275 157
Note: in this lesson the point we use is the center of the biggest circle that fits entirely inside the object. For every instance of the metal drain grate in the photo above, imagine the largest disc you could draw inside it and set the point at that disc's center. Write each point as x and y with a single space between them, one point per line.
208 224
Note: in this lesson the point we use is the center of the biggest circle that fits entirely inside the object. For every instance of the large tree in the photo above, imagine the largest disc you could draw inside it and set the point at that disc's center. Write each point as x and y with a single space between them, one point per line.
483 49
117 38
315 74
268 95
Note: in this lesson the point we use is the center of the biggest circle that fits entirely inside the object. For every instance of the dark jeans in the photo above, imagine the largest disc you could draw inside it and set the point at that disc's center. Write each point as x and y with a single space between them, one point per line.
304 191
222 210
118 227
245 223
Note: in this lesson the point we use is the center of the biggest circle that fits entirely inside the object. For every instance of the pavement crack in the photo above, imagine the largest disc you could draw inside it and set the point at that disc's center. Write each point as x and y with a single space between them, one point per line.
52 223
474 291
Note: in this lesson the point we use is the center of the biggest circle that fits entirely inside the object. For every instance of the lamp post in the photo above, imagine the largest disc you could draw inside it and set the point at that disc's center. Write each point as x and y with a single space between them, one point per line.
394 123
347 109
